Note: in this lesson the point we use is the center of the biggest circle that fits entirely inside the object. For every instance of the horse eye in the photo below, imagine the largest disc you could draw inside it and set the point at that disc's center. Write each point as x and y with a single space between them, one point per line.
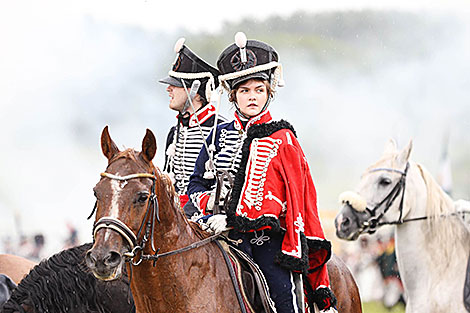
142 197
385 181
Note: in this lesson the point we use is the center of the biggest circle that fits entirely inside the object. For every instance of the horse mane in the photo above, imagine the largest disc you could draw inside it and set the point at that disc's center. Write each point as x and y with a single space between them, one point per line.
63 283
168 187
446 231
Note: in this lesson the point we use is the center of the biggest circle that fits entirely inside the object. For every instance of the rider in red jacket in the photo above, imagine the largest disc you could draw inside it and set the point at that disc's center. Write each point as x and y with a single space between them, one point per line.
273 208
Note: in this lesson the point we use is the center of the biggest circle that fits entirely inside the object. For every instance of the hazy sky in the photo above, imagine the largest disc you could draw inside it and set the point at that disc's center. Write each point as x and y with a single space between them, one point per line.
157 14
196 15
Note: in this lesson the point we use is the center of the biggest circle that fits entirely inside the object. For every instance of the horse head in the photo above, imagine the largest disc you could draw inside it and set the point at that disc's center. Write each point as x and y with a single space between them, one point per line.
379 196
125 205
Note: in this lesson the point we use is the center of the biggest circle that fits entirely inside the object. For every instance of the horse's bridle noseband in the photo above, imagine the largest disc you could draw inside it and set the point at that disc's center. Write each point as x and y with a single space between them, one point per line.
136 248
124 230
373 223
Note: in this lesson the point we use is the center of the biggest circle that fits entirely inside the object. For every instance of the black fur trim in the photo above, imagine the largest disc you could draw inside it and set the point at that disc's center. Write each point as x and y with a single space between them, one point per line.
244 224
238 222
315 245
319 297
292 263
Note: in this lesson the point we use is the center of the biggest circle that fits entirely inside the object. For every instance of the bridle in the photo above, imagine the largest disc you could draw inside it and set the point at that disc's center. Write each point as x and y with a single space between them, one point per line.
374 222
135 255
151 215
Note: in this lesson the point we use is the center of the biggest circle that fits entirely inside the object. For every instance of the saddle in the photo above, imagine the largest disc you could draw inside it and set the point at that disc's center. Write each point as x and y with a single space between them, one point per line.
249 281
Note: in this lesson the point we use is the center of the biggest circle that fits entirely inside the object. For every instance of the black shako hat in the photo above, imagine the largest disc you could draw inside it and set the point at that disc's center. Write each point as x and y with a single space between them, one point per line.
189 67
248 59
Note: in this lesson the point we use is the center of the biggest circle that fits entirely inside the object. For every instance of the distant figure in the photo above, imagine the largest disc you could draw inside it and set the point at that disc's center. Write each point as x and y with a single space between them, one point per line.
36 252
367 272
72 240
387 262
24 247
7 245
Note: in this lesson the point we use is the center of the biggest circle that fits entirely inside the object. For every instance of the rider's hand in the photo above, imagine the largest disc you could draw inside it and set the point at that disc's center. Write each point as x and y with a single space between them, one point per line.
218 223
223 193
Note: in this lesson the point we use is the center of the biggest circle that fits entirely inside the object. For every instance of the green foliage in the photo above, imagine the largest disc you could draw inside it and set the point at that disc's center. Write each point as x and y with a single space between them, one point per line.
359 38
377 307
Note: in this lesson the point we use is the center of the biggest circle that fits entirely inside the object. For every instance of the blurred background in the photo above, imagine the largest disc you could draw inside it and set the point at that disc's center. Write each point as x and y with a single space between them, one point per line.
356 75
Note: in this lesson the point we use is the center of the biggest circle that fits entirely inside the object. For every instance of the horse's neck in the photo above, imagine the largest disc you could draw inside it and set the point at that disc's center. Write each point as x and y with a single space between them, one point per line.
174 229
427 249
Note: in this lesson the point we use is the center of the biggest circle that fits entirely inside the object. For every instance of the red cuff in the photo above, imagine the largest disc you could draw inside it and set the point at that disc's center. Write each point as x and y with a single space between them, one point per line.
203 200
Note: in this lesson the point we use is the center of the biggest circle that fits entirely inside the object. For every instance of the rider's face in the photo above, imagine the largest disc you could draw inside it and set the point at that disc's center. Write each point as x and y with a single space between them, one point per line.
178 97
251 97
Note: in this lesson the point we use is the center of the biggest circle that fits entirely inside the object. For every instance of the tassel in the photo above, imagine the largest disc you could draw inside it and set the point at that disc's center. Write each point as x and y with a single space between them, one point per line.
171 151
209 173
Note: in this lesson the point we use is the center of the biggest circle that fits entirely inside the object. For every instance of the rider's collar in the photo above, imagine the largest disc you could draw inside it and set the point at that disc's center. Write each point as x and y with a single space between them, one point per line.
261 118
203 114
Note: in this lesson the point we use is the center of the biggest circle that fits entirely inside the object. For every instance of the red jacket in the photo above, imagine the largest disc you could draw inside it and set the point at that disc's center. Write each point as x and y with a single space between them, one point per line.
274 190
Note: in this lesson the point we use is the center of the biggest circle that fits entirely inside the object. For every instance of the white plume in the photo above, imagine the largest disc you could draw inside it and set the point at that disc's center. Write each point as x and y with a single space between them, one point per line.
240 39
179 44
355 200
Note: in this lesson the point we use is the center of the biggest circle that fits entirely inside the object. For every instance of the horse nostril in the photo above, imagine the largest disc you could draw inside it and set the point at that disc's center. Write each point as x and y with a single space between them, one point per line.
113 259
90 259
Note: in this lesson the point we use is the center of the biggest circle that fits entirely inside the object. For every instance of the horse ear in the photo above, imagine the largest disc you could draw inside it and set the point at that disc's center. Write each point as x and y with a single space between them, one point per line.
149 146
404 155
108 146
390 146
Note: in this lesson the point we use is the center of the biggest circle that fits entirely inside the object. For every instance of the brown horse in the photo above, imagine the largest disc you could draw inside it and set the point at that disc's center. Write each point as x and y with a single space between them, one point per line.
15 267
138 213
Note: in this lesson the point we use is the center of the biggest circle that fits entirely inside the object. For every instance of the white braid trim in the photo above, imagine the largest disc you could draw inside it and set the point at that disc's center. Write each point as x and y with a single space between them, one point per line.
260 68
210 86
355 200
190 75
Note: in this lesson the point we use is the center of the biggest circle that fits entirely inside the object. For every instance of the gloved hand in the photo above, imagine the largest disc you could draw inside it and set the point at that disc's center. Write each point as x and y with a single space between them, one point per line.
218 223
223 193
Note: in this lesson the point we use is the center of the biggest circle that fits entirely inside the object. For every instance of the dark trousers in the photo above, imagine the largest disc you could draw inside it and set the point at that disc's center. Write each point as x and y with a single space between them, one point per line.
190 209
263 246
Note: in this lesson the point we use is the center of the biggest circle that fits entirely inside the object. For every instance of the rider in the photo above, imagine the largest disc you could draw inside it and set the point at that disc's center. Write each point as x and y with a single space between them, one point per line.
189 75
273 207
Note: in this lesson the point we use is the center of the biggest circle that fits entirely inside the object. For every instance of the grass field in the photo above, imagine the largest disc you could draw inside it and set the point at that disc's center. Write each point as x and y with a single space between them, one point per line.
377 307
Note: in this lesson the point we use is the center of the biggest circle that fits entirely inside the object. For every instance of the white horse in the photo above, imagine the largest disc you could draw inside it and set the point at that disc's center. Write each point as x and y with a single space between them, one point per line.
432 239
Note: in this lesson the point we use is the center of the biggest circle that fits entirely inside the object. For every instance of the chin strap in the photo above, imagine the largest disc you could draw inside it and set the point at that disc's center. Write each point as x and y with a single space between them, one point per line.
190 101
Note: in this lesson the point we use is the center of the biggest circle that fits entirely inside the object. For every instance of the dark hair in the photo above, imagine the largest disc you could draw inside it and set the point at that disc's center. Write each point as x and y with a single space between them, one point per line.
232 96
